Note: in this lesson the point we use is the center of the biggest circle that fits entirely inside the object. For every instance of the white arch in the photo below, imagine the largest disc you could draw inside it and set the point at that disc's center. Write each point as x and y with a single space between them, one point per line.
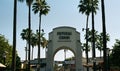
64 37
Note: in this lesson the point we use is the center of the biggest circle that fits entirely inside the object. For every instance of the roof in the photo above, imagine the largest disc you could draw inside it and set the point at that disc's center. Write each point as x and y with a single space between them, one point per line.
2 66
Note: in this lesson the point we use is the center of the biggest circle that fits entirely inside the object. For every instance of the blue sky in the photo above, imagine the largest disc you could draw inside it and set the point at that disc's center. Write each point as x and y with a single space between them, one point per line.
62 13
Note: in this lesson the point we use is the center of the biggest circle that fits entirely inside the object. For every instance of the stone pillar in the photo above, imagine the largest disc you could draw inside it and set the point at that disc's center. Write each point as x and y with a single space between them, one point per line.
50 57
78 57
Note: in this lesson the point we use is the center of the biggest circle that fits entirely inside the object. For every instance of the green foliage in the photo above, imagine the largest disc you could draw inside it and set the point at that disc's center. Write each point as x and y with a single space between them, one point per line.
56 67
84 47
28 2
115 55
18 62
6 53
34 37
99 41
24 34
90 40
41 7
86 6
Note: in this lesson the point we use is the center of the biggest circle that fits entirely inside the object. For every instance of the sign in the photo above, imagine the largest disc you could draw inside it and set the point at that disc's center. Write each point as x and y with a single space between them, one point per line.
64 35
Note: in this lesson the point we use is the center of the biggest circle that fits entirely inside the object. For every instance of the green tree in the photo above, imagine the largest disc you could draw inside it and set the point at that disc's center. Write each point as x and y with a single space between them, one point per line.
115 55
18 63
6 53
41 7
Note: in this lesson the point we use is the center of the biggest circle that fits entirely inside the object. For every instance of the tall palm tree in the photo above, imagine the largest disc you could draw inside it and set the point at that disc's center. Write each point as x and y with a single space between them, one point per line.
43 42
29 3
25 36
104 35
14 36
41 7
94 7
86 7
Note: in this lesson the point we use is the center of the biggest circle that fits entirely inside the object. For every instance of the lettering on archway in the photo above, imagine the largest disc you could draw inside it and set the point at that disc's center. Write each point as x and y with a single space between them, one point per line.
62 38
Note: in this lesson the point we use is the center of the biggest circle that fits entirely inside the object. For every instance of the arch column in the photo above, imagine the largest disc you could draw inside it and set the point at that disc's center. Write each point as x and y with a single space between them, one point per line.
50 57
78 59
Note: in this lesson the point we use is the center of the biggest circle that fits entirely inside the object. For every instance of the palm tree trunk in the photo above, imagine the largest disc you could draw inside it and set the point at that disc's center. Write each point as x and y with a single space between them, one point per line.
26 50
14 37
87 42
29 24
104 36
39 42
93 40
100 53
32 52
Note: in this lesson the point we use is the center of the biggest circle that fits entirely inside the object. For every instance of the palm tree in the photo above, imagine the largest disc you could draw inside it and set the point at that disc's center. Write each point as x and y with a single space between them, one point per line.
86 7
94 7
33 43
14 36
41 7
44 43
42 40
29 3
104 35
25 36
99 42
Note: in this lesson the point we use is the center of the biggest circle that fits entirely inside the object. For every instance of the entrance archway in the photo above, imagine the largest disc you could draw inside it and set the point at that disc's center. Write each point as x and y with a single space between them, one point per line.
64 37
64 60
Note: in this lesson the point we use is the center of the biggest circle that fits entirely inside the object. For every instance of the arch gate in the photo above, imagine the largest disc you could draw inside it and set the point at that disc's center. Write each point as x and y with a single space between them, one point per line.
62 37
